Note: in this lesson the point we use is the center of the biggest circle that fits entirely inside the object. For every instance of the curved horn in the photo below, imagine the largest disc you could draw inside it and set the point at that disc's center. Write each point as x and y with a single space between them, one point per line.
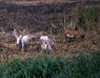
23 32
15 33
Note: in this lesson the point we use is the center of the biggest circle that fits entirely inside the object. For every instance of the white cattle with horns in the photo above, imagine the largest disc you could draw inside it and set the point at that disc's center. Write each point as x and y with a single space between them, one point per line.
22 40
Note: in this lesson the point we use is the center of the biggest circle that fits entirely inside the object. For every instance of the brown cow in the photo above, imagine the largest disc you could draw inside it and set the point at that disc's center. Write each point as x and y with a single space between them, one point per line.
73 34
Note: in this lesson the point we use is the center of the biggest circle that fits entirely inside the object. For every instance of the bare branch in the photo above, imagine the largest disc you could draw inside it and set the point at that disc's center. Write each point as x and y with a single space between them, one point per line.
63 25
54 26
2 30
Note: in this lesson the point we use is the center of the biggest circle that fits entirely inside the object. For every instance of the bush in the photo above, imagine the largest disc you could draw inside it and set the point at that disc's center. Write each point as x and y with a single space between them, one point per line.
50 67
88 18
2 67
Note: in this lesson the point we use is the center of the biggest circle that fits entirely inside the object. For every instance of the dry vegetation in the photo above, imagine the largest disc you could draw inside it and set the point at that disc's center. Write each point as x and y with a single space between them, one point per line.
42 19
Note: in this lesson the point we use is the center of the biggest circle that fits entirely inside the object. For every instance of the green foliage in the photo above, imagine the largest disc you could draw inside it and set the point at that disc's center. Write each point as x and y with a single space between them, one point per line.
50 67
2 67
88 18
87 67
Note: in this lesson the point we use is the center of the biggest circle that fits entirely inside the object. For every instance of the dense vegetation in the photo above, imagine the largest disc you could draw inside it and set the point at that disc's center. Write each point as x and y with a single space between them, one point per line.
88 18
50 67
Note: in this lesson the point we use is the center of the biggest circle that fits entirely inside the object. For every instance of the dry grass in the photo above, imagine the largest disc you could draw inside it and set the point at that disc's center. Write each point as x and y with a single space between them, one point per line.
10 51
35 2
33 20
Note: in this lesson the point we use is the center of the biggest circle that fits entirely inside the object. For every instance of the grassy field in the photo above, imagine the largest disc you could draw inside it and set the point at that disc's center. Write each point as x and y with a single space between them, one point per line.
51 67
77 59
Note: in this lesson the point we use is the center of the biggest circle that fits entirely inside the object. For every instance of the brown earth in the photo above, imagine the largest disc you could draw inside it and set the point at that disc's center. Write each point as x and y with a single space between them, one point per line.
40 18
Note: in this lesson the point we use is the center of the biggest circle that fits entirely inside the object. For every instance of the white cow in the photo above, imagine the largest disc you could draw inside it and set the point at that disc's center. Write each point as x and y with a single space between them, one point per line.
44 39
22 41
46 44
46 47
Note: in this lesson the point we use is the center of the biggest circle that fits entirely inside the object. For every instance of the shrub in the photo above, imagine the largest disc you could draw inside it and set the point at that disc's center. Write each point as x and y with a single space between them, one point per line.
88 18
2 67
50 67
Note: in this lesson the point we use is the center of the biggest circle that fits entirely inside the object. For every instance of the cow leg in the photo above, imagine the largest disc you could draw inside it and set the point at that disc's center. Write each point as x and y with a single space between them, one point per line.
26 47
22 47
